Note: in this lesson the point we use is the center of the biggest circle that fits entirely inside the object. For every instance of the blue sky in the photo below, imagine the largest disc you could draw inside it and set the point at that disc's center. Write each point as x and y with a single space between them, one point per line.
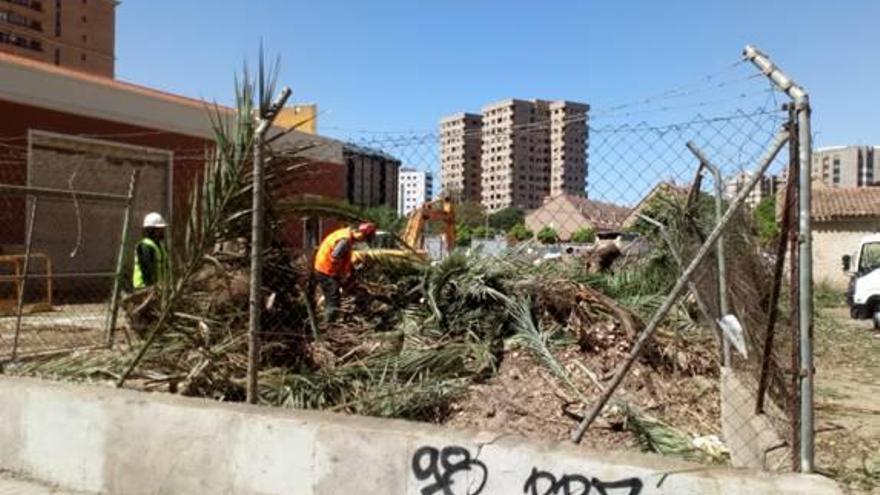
398 65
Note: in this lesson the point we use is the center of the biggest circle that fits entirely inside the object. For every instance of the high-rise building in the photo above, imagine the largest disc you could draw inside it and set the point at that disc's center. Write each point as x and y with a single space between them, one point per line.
767 186
77 34
847 166
569 145
416 188
460 155
516 154
530 149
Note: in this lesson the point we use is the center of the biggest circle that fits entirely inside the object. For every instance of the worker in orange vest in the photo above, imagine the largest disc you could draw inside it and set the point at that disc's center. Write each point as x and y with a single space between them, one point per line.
333 266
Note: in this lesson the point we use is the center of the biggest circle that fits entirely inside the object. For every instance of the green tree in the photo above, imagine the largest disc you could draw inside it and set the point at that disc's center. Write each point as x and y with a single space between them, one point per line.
505 219
386 218
463 235
470 213
547 235
482 232
765 219
584 235
520 232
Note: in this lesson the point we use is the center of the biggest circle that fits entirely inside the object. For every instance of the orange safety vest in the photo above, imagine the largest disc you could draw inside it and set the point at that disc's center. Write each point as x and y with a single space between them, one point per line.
324 262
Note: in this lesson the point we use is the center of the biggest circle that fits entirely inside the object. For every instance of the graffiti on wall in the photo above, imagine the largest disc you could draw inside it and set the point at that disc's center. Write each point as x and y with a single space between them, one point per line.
453 470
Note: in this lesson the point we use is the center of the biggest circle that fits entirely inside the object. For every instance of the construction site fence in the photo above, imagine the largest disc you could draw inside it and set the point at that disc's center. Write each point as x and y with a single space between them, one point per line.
699 188
62 262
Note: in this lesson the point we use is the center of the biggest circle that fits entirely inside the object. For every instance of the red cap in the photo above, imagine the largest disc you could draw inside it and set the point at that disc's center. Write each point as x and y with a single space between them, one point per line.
367 229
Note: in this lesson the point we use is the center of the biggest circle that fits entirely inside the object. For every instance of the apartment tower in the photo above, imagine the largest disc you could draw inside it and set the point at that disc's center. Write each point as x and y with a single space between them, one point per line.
529 150
569 146
77 34
516 158
460 155
847 166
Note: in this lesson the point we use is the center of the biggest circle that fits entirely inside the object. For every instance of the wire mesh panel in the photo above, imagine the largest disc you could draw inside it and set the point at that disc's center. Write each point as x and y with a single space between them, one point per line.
624 202
63 226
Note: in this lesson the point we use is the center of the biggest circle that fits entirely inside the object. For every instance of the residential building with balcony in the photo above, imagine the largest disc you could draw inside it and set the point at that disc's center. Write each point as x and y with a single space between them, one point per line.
75 34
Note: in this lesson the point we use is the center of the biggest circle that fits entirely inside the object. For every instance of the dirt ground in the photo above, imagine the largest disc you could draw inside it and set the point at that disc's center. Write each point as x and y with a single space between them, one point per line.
847 395
525 398
63 328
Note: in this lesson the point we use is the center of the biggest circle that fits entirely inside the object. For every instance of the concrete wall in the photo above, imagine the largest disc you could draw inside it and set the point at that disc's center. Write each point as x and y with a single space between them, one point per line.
122 442
752 439
832 240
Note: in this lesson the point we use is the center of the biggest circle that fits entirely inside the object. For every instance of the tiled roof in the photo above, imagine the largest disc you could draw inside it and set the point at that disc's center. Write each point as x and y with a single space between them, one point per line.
837 202
668 188
604 216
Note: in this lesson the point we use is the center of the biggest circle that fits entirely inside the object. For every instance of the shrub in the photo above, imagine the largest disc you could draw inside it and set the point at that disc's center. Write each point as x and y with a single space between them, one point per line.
506 219
765 219
584 235
547 235
520 232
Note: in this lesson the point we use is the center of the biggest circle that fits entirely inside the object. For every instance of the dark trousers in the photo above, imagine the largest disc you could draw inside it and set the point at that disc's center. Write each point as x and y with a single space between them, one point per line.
330 288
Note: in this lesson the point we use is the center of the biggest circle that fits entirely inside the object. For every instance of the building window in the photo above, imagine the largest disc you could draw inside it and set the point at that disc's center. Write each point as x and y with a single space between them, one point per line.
32 4
21 41
20 20
836 172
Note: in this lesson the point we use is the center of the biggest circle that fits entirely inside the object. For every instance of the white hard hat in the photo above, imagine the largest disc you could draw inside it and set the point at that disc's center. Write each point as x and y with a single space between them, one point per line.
155 220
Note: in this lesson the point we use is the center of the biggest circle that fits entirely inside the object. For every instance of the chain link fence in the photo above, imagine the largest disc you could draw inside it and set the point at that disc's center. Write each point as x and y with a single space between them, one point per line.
657 179
68 204
579 285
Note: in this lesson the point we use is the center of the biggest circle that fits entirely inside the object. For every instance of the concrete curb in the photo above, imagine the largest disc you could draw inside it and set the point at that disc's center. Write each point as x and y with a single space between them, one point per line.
103 440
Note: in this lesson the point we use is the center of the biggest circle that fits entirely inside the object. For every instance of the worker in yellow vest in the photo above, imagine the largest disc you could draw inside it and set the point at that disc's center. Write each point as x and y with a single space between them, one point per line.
333 266
151 264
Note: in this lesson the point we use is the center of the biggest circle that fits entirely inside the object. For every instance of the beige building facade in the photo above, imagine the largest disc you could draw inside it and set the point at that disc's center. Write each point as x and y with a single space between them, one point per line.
840 218
847 166
460 155
76 34
528 150
566 214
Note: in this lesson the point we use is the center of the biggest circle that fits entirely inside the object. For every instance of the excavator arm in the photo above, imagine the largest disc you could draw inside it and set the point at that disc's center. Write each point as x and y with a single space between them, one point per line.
441 210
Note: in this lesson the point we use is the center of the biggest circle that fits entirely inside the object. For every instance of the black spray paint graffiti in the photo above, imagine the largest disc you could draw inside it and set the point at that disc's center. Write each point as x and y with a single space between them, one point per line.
452 471
442 466
545 483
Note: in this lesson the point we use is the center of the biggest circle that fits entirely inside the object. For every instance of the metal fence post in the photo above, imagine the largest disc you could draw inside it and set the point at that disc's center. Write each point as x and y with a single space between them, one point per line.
805 246
120 259
267 116
24 276
723 308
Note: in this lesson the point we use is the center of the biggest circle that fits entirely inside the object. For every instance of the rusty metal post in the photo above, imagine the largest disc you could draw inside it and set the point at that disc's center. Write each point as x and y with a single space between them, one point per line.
794 290
22 287
789 205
